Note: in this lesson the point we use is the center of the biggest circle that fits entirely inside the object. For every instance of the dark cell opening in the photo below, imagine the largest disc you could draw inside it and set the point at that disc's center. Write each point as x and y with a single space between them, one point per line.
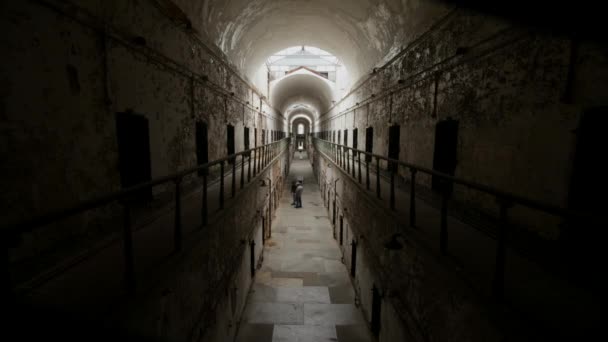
202 146
133 136
444 158
394 135
230 140
369 143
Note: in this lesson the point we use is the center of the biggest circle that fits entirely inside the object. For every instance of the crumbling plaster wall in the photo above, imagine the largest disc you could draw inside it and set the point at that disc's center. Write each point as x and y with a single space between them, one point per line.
68 67
200 295
508 88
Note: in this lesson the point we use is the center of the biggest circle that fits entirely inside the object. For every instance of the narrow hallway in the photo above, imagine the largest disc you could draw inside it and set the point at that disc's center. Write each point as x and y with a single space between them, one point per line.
302 292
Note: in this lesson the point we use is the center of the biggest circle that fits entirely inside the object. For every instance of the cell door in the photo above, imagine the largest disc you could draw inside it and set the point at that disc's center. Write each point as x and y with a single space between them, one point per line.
246 137
444 158
394 135
133 135
586 238
202 146
369 143
341 230
353 259
345 137
230 141
376 310
255 137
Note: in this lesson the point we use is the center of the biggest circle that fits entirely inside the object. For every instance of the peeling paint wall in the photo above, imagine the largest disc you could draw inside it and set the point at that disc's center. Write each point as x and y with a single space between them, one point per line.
67 68
506 86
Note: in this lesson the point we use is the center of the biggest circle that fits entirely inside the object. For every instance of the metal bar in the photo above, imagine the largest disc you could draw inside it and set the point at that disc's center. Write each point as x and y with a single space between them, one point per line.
242 171
222 185
252 249
367 175
128 251
7 284
443 238
177 233
269 220
233 188
378 177
413 198
255 162
359 166
205 206
392 198
249 169
501 251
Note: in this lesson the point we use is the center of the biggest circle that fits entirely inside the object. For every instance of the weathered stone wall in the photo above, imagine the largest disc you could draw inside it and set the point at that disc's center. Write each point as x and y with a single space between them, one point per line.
423 298
200 295
508 88
68 67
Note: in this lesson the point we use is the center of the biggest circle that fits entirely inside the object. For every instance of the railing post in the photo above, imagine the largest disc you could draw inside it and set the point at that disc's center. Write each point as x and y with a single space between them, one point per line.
255 161
367 176
7 283
204 209
128 251
501 251
222 185
392 198
242 170
233 189
177 233
252 251
378 177
249 168
443 239
359 166
413 198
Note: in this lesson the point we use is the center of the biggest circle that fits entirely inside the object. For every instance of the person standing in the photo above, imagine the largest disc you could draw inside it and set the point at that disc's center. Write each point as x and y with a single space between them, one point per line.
299 190
294 186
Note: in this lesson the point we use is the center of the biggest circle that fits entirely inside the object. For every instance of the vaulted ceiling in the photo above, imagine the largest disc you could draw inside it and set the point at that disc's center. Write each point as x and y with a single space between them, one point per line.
359 32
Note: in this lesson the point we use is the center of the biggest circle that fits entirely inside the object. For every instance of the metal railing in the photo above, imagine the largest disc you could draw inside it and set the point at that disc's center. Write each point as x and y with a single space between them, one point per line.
351 163
255 160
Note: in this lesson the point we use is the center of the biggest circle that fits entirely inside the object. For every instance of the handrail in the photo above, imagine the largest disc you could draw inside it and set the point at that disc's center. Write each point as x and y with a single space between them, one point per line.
528 202
263 156
340 156
48 218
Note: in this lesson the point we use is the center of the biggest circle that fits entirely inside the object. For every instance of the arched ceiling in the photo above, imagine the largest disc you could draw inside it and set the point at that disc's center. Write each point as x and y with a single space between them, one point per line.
303 92
359 32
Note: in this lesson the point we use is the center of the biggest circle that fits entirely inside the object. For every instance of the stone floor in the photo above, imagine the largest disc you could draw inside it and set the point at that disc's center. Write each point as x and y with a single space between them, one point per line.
303 291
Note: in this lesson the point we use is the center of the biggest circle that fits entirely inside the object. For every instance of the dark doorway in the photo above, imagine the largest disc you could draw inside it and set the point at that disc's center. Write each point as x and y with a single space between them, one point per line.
355 138
394 136
376 310
353 259
341 230
133 135
202 143
444 158
369 143
230 141
255 137
252 250
246 137
586 238
339 135
263 137
345 137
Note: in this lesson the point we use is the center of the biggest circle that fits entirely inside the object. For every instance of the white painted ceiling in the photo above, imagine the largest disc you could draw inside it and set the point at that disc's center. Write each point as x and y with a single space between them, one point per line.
359 32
